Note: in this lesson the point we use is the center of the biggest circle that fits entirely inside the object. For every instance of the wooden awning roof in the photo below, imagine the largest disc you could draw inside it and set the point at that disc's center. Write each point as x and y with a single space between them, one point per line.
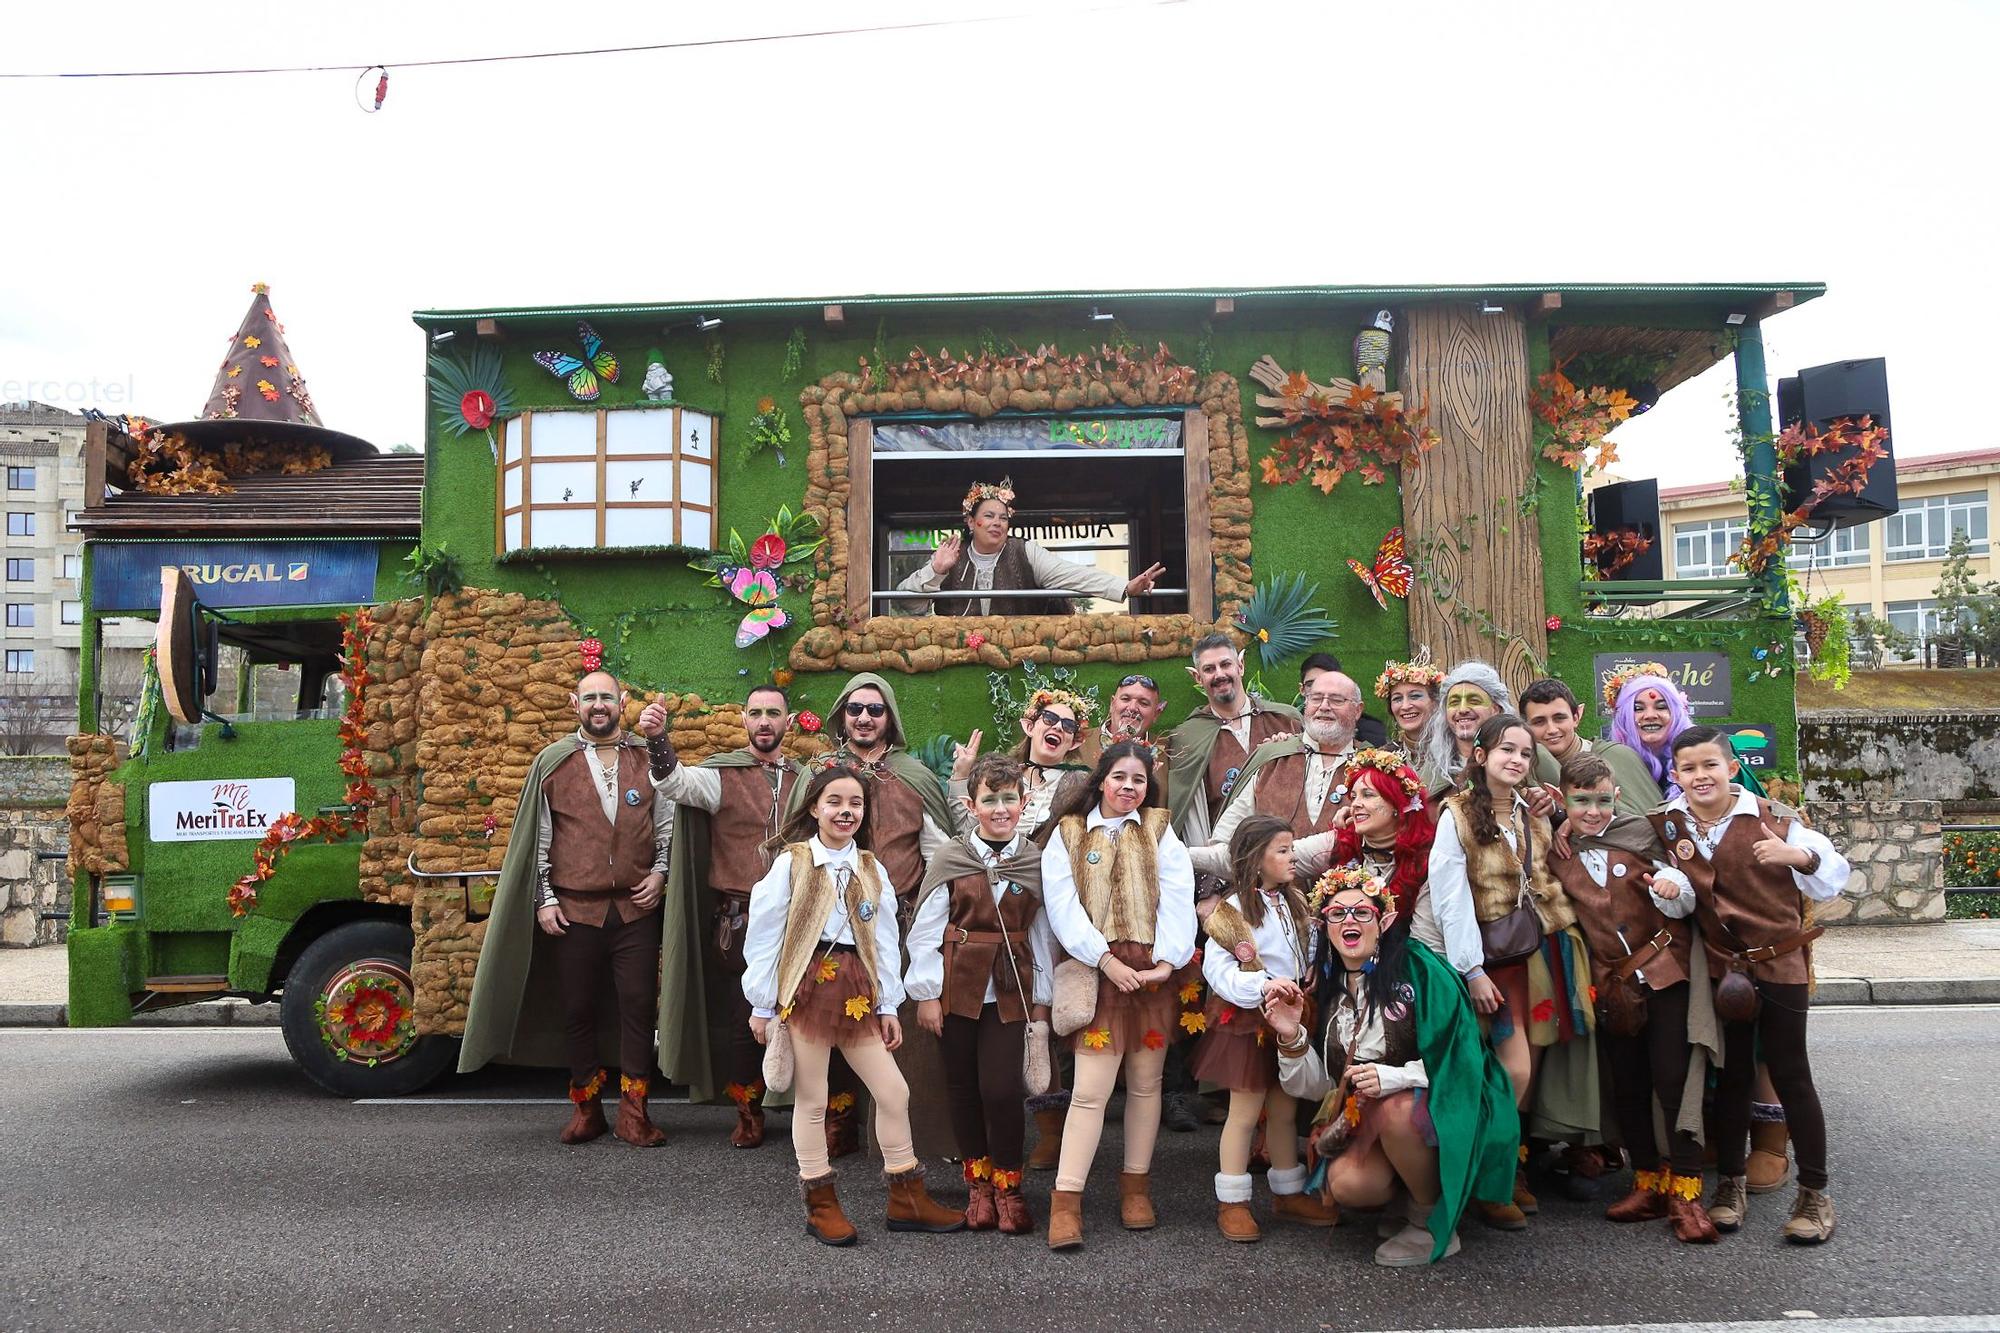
380 496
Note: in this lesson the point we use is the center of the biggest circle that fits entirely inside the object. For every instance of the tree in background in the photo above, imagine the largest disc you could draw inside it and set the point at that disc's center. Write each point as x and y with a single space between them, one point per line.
1968 610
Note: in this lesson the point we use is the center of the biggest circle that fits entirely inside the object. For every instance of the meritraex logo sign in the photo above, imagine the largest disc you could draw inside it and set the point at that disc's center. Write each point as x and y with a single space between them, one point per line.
217 809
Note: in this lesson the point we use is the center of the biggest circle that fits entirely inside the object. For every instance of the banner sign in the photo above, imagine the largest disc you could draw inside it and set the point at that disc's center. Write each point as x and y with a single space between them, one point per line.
1030 435
217 808
1703 677
1755 743
125 576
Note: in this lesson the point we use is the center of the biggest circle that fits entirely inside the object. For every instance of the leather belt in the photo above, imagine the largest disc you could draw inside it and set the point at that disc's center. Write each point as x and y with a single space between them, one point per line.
1640 957
1764 953
960 935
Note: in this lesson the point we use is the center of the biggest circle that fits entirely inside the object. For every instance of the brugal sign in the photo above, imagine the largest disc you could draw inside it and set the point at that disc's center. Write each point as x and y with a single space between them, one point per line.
125 576
1703 677
217 809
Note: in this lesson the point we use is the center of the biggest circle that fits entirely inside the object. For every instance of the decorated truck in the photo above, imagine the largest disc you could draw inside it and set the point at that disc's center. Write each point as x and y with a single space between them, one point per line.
731 492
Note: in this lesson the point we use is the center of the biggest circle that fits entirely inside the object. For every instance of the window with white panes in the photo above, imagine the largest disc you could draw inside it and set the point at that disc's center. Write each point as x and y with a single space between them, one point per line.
1845 546
72 567
1918 619
21 661
20 569
1921 529
20 615
607 478
20 524
1702 550
72 613
20 478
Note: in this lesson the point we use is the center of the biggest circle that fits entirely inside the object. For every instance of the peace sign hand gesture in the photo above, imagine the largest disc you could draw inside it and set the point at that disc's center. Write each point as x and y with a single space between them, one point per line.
963 755
1143 583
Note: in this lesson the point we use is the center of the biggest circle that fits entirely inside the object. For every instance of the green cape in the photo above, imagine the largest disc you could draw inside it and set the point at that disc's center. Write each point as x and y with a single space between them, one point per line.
516 1011
1638 794
1189 748
693 1024
899 761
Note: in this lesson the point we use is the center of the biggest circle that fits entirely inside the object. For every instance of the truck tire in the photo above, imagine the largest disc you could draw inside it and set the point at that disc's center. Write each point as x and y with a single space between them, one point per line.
348 1013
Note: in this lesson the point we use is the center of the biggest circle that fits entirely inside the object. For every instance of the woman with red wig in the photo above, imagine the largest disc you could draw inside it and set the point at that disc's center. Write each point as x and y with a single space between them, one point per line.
1383 826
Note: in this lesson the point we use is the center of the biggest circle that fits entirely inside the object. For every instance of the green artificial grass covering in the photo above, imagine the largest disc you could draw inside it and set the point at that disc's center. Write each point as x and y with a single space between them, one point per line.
106 965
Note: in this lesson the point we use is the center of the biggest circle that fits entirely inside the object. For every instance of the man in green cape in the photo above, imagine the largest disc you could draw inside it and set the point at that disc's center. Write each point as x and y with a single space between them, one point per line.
1207 752
573 937
727 811
912 821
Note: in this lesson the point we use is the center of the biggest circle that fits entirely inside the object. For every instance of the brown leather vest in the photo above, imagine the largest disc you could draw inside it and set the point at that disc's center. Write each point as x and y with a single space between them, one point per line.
1757 904
972 955
741 825
1281 791
1011 572
1494 872
1226 760
897 833
593 863
1399 1036
1622 904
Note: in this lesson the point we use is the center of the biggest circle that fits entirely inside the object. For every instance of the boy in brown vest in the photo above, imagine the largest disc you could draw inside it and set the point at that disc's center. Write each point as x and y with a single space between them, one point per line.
1753 863
981 956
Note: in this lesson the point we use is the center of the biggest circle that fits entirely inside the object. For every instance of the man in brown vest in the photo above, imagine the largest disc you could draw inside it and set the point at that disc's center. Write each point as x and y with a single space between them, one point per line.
730 806
588 850
1207 752
1300 779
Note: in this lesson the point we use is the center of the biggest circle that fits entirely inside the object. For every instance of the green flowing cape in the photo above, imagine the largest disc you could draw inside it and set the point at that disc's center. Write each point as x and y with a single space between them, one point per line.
694 1025
899 761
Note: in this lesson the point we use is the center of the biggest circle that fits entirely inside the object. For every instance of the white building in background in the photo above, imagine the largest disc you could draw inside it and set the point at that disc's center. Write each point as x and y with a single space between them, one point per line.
41 449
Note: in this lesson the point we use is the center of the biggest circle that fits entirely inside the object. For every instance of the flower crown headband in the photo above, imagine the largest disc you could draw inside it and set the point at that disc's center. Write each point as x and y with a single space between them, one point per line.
1616 682
1342 879
1076 703
1391 763
1417 671
1002 490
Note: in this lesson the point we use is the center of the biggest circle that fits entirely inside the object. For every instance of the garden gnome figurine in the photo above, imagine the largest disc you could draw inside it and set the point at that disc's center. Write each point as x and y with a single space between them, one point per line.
1371 352
658 384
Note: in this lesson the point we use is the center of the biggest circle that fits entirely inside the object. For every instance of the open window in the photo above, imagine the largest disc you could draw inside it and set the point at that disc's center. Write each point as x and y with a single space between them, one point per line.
1117 491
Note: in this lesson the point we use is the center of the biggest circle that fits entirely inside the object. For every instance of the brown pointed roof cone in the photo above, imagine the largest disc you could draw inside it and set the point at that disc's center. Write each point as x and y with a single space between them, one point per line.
259 393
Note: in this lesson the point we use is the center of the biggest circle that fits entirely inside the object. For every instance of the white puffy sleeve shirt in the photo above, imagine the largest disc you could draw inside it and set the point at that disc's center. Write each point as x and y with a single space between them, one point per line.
770 904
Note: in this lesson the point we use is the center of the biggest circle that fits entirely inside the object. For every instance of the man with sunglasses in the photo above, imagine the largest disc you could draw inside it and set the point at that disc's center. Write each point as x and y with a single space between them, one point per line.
579 895
911 821
1135 706
728 807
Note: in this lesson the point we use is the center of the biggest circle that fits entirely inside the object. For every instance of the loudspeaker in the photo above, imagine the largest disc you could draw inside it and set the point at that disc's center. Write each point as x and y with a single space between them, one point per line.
1819 395
1630 509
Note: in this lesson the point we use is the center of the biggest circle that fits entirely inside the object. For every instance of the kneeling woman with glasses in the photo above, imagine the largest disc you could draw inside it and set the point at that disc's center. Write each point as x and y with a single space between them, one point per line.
1412 1102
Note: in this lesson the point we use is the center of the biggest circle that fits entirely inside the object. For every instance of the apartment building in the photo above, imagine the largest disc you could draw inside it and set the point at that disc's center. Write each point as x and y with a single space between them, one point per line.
1887 568
41 449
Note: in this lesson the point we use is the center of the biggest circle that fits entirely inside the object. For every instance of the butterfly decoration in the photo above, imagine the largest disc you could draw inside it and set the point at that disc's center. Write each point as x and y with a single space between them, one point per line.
759 591
1392 572
582 373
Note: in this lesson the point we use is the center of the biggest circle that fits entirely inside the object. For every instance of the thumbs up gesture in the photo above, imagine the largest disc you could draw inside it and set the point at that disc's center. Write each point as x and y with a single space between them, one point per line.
1772 850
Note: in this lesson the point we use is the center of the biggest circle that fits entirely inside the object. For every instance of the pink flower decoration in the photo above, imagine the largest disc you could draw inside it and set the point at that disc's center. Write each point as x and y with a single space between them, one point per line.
768 551
808 721
975 641
491 825
1555 623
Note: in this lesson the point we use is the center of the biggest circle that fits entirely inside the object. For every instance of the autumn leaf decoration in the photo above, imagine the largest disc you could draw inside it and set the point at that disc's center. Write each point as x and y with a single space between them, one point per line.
1848 477
1097 1038
1579 419
1332 435
828 969
1190 992
1154 1039
857 1007
1194 1021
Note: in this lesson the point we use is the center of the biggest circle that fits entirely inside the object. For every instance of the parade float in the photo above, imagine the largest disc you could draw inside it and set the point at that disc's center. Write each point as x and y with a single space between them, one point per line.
705 496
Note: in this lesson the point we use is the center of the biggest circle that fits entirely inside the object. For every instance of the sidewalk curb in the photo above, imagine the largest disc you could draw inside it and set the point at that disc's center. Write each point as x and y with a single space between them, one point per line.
1838 992
208 1013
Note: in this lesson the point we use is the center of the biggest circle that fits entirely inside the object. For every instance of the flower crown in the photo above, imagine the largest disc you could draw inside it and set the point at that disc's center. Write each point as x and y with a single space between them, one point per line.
1417 671
1076 703
1342 879
1391 763
1615 683
1002 490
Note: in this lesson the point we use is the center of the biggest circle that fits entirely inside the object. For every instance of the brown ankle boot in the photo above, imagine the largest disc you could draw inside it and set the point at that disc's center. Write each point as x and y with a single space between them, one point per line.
1646 1203
825 1222
1065 1219
634 1125
749 1099
1135 1201
1692 1224
843 1135
1009 1205
1048 1138
1524 1198
980 1212
911 1208
586 1122
1501 1216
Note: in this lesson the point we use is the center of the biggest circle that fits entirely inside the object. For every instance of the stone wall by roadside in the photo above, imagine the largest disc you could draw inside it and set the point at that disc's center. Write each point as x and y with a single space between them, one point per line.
1897 850
34 847
1946 755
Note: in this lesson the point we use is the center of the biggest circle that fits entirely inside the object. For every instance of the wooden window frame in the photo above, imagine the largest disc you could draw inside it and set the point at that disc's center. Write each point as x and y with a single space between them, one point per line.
502 511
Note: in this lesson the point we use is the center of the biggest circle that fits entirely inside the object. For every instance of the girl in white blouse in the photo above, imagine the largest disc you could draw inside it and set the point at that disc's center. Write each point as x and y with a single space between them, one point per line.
821 956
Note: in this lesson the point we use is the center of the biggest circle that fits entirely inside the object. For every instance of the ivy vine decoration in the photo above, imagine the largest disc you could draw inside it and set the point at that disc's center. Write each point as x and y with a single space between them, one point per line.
434 569
795 352
1012 691
769 429
715 358
471 394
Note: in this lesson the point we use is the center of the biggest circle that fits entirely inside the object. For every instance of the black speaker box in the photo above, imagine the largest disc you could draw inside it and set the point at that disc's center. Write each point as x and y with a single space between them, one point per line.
1819 395
1634 507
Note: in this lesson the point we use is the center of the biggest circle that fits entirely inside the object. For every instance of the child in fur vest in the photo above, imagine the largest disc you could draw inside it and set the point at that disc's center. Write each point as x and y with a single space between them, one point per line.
981 955
1259 944
821 958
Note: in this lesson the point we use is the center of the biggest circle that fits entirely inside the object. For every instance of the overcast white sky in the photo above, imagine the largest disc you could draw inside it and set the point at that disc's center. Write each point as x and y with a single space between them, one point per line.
1213 141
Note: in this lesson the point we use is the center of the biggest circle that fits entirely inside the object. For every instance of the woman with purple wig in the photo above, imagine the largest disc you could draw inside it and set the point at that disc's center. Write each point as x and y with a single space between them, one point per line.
1647 711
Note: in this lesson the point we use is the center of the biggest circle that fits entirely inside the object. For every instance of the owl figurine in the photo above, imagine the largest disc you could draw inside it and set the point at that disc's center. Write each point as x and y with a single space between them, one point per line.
1371 351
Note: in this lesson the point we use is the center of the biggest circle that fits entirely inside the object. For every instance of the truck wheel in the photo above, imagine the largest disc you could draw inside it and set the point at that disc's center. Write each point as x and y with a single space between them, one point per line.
349 1014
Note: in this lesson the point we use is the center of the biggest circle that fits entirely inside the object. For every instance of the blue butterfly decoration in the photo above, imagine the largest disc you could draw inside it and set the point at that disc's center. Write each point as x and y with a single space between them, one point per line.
582 373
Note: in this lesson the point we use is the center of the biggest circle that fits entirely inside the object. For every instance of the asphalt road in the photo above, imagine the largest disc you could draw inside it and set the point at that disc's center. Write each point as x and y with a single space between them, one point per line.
176 1179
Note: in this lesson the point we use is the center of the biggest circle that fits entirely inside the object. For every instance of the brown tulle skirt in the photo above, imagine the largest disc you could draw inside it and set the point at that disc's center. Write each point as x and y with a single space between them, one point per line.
1238 1050
819 1011
1144 1019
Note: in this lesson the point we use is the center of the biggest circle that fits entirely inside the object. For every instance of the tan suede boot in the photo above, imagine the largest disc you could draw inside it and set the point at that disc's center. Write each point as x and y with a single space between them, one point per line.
911 1208
1727 1202
825 1222
1135 1201
1769 1164
1812 1218
1065 1219
1048 1138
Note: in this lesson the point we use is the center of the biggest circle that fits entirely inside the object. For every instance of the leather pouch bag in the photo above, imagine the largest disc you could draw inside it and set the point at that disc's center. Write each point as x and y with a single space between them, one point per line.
1075 1001
1513 937
1736 998
779 1065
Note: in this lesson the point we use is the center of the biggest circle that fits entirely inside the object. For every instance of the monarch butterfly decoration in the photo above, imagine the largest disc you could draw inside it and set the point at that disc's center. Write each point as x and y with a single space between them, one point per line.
583 372
757 589
1392 572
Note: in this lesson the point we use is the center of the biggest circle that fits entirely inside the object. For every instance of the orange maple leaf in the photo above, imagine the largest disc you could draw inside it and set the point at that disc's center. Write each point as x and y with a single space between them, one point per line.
1194 1022
857 1007
1097 1038
1154 1039
1297 385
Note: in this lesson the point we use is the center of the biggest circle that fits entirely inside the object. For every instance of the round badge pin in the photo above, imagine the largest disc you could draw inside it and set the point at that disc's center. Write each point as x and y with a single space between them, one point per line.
1684 849
1618 868
866 911
631 796
1092 857
1013 888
